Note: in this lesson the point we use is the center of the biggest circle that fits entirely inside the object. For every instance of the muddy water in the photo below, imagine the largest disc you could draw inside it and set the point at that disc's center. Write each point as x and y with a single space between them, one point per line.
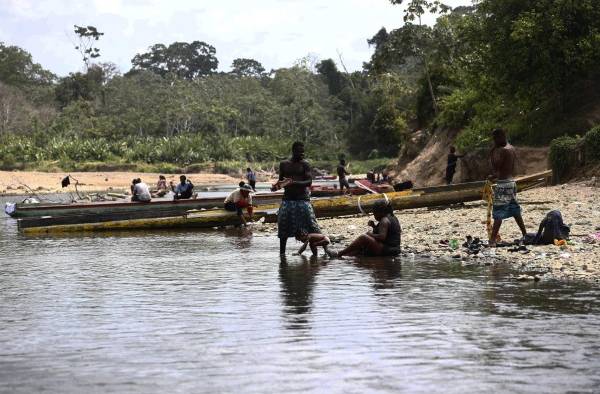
220 312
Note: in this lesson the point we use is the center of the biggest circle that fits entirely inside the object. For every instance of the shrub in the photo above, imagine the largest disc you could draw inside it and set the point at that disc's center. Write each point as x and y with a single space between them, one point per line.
592 144
563 156
456 108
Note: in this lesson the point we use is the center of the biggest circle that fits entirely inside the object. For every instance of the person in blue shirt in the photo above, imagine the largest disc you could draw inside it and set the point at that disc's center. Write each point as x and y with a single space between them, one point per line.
184 188
251 177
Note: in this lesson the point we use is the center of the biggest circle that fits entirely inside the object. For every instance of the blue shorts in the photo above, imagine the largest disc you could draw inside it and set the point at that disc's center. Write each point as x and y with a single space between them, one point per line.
294 217
506 211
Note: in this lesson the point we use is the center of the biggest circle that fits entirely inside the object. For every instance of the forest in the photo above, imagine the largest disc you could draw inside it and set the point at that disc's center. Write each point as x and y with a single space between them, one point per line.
530 66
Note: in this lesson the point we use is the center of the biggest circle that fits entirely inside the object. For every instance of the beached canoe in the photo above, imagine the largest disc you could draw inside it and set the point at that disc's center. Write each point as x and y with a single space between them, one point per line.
329 207
156 208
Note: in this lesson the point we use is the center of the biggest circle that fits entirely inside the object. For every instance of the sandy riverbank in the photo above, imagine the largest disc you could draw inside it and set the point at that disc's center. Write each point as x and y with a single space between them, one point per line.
19 181
423 229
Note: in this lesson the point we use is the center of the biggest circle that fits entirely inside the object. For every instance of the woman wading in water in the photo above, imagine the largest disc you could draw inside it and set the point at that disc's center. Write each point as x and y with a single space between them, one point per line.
383 240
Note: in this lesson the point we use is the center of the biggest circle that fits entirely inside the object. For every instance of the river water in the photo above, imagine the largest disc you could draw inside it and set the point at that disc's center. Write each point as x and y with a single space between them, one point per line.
220 312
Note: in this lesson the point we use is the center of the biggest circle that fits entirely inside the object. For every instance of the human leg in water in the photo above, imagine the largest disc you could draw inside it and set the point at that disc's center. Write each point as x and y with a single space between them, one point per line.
363 243
282 245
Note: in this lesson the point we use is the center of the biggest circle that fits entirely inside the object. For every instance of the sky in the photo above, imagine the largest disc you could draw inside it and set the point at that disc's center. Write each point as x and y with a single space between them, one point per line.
274 32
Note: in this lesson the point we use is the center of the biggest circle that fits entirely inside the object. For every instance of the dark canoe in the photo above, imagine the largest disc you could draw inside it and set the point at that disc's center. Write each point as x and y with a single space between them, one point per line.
155 208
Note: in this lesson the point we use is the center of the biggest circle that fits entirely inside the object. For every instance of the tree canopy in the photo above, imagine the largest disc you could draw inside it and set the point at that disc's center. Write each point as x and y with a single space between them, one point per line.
186 60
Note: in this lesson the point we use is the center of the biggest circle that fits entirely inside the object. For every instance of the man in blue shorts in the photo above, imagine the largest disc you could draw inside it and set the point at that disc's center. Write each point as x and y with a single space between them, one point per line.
503 161
295 214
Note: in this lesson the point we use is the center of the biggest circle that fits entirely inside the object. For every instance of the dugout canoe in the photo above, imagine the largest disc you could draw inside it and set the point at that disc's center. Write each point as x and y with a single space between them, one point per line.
160 207
330 207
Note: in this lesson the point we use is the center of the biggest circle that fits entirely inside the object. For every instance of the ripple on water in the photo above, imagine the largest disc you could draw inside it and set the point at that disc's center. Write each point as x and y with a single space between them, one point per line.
184 311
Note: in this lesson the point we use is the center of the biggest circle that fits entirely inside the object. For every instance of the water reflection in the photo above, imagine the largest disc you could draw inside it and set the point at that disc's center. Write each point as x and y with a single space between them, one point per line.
179 311
385 271
297 278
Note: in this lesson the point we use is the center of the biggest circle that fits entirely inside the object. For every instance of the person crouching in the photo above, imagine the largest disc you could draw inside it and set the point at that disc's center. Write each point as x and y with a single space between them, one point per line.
238 200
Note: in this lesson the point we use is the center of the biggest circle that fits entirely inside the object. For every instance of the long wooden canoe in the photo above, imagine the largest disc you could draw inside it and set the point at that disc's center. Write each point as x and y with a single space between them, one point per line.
331 207
155 208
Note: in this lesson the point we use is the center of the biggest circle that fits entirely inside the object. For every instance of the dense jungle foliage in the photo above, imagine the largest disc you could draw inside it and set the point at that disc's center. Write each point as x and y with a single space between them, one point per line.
526 65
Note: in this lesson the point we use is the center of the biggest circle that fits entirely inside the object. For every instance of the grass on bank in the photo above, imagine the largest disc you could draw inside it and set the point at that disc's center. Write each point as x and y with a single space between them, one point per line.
235 168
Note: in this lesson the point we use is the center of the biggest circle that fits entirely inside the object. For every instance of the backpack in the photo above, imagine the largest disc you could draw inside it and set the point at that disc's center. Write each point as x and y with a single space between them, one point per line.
551 228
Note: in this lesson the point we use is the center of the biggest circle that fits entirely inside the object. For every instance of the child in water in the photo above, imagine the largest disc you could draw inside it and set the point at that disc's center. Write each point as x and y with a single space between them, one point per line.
314 240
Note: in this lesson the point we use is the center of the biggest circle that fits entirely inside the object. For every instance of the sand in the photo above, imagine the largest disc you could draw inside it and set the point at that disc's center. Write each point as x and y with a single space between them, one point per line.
17 182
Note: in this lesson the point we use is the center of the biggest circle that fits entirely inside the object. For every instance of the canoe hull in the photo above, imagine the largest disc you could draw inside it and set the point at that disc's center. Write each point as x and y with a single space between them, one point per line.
331 207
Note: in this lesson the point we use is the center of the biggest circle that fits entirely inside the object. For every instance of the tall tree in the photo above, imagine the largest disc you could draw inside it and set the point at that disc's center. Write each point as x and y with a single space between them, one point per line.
243 67
186 60
17 68
331 75
87 36
415 9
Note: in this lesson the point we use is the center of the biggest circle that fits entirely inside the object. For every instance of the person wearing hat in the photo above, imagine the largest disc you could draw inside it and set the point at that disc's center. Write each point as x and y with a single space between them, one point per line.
238 200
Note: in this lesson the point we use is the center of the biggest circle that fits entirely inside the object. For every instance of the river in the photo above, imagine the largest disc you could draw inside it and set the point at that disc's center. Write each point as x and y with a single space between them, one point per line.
179 311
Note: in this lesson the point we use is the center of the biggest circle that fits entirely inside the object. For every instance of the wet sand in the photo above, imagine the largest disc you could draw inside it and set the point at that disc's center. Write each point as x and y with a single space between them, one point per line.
19 182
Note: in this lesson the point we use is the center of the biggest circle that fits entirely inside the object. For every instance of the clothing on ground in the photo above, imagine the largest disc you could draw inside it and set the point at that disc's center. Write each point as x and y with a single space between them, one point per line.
141 192
295 216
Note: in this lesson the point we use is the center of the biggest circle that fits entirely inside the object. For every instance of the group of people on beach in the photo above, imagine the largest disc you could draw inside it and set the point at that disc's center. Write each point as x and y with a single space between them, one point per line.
296 217
140 191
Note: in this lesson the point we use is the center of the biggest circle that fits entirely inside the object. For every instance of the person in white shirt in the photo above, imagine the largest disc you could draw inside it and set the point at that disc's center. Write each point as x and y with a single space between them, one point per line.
238 200
140 191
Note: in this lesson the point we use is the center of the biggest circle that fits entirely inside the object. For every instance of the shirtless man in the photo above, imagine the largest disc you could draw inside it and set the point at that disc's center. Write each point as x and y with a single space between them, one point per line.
295 213
503 160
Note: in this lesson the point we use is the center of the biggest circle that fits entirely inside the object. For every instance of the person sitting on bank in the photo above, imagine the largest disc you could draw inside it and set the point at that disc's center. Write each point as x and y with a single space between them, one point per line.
313 240
383 240
161 187
238 200
183 190
342 172
251 178
139 191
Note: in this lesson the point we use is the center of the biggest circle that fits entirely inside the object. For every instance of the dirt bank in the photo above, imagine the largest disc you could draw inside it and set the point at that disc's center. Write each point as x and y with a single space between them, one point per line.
20 181
423 229
428 168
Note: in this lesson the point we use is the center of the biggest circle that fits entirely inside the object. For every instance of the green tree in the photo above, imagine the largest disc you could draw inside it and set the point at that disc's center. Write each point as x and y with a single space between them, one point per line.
415 9
331 75
243 67
186 60
87 36
17 68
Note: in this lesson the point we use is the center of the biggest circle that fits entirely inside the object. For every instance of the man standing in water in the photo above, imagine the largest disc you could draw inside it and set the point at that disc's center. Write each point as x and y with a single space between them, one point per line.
295 214
503 160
